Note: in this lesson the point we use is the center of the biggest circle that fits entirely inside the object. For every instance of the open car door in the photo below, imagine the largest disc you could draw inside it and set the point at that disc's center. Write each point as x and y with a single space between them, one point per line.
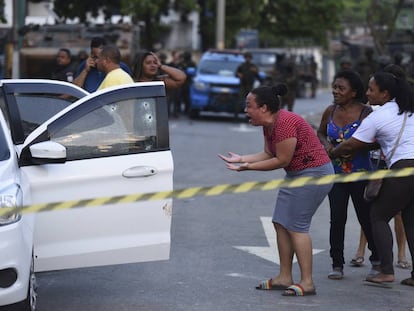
27 103
114 142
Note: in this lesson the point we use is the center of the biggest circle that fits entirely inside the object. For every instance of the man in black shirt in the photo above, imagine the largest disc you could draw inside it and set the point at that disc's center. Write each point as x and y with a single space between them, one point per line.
248 73
64 70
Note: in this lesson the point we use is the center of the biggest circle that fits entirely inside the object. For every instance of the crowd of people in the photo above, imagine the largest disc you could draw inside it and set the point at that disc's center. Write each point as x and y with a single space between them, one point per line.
102 67
365 66
364 119
390 128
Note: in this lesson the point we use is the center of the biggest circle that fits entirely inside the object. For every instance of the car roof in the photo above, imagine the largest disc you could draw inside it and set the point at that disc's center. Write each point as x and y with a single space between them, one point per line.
223 54
265 50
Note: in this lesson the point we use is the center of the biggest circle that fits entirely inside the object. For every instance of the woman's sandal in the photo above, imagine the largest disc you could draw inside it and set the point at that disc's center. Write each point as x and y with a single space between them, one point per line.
403 264
380 280
409 282
296 290
357 261
336 274
267 285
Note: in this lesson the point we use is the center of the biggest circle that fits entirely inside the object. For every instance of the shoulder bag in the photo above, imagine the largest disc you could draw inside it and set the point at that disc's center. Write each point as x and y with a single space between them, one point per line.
373 187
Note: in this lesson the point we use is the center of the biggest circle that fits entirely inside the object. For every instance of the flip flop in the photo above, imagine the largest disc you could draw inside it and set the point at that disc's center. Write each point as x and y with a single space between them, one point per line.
378 284
296 290
403 264
357 261
409 282
267 285
336 274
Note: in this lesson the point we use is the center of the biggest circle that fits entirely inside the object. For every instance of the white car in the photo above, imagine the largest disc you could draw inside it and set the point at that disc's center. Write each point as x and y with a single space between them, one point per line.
59 143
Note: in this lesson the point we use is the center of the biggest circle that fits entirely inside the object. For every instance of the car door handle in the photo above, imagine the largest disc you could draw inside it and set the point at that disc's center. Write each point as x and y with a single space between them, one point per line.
139 171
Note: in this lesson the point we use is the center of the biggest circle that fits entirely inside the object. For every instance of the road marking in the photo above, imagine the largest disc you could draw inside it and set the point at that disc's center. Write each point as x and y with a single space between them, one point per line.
270 252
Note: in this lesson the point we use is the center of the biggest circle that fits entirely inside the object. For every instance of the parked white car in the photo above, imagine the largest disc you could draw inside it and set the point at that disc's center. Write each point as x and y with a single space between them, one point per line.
60 143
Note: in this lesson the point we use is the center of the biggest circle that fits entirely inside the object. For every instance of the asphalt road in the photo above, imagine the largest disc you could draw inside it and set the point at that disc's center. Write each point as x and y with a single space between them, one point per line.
220 243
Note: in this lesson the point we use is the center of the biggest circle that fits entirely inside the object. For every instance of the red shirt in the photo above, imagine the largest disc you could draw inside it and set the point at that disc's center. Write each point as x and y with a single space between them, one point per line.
309 151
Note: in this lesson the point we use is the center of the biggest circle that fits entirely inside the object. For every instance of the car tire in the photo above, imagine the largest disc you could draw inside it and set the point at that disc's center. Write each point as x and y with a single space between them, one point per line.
194 114
30 303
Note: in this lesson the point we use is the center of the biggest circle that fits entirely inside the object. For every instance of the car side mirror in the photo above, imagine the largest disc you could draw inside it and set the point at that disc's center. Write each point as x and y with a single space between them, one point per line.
48 152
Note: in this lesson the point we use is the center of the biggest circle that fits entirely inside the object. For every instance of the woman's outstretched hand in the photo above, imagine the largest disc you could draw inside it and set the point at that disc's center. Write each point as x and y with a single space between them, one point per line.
234 158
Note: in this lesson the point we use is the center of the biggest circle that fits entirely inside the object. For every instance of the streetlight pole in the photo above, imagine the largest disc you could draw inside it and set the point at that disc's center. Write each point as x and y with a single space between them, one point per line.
220 24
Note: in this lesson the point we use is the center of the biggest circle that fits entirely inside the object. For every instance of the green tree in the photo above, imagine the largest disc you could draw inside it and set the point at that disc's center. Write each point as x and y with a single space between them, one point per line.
148 13
381 19
239 14
300 21
379 16
281 22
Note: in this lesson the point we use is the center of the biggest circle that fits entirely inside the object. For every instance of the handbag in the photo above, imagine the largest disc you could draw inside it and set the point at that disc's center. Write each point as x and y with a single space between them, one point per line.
373 187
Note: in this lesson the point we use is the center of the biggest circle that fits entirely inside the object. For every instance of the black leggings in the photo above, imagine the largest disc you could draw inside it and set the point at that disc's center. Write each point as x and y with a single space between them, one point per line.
338 201
397 194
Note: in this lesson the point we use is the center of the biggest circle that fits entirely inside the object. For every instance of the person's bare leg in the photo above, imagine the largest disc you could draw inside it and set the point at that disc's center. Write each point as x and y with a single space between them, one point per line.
362 245
302 246
285 248
360 252
401 240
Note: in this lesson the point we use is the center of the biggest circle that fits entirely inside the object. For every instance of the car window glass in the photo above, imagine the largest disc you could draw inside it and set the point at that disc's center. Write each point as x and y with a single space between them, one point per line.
4 146
119 128
218 67
4 110
264 58
34 109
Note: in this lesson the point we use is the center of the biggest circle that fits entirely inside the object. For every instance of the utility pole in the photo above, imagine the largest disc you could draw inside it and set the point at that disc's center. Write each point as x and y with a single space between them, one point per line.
220 24
18 22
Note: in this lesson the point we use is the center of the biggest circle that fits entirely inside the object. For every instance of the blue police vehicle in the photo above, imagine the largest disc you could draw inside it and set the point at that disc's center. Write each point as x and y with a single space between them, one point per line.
215 86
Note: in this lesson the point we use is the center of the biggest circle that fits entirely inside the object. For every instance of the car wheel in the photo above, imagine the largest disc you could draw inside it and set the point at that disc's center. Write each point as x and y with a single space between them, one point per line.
29 304
194 113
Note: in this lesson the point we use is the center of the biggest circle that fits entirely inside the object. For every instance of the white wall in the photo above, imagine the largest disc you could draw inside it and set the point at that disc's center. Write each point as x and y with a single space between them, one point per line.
8 12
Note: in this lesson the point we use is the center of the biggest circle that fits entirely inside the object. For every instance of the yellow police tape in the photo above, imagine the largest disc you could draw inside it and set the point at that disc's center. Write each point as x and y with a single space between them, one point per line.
212 190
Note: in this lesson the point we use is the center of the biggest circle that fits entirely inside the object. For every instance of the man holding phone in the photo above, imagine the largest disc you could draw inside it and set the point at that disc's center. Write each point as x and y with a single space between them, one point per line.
88 76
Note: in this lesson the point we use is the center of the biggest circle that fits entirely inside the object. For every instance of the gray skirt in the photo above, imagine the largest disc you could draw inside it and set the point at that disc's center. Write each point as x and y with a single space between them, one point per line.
295 207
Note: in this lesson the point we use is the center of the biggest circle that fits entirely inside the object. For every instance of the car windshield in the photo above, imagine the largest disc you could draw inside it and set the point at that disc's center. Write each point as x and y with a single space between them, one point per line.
219 67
